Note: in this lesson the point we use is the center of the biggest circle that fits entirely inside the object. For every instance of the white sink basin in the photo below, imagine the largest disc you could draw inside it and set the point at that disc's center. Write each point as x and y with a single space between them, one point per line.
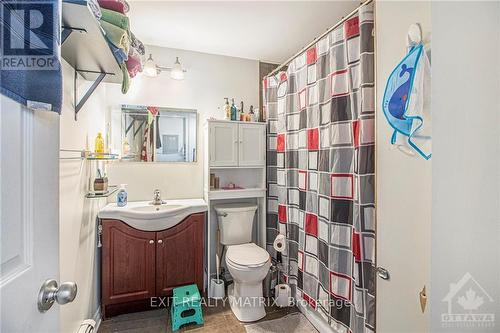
143 215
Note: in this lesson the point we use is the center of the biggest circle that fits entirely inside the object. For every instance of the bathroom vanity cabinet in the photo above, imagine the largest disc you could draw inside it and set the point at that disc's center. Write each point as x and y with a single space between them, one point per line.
140 265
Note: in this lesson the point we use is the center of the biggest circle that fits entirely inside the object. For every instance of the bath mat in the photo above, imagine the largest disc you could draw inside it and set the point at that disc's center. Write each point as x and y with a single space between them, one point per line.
293 323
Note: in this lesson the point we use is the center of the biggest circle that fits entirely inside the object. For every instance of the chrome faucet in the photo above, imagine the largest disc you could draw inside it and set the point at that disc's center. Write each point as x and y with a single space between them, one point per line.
157 198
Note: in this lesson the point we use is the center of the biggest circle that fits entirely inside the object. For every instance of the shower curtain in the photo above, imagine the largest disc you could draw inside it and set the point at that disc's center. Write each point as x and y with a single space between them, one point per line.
321 173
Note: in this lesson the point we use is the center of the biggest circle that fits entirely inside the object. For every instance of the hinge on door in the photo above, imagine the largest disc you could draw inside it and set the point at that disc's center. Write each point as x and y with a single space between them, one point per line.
99 234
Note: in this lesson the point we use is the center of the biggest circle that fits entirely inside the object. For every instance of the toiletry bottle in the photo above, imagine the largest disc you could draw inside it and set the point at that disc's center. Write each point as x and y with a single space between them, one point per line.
227 109
234 110
126 148
252 114
242 113
99 145
121 197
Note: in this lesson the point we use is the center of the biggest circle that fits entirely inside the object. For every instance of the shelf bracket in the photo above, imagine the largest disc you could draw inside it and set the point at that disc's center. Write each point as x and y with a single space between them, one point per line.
66 32
90 91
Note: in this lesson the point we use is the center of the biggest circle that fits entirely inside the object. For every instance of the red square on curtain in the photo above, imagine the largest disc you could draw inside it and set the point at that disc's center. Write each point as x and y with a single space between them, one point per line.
283 77
356 247
280 144
311 56
355 133
309 299
282 213
312 139
351 27
264 83
312 224
300 260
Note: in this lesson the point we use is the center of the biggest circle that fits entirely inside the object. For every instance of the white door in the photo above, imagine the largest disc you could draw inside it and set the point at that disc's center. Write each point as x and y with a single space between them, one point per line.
223 144
251 144
29 211
403 188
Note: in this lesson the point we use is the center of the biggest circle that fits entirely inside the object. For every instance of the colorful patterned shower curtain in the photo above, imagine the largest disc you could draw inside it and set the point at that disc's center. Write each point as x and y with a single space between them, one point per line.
321 173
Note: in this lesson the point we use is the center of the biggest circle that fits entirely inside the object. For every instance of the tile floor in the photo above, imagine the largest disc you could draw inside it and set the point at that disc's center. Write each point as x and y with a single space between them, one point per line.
218 319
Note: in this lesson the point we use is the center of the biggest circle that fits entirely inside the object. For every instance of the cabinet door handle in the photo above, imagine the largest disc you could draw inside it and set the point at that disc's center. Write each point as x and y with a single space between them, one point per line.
151 241
160 241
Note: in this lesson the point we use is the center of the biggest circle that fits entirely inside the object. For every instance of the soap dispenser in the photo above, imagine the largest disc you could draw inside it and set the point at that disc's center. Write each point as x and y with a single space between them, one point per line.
121 196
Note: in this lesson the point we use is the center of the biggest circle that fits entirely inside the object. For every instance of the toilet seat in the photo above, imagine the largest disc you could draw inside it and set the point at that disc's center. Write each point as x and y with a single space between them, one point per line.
247 255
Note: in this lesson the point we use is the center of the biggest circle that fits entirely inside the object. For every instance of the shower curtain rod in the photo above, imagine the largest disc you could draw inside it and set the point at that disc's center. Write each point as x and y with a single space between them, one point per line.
289 60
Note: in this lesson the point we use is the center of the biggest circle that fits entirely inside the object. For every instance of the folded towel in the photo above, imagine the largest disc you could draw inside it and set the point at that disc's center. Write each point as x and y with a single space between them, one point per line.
116 18
120 6
119 54
134 65
126 79
116 35
137 44
92 4
94 7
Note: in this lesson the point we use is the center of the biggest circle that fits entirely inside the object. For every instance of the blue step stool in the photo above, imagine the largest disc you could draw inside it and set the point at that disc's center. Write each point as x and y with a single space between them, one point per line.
186 298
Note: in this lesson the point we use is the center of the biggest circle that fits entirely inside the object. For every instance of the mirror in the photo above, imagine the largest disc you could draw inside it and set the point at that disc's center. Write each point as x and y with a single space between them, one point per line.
158 134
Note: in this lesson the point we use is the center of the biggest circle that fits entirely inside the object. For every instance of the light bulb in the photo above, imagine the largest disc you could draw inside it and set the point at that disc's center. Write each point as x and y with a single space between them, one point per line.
150 67
177 73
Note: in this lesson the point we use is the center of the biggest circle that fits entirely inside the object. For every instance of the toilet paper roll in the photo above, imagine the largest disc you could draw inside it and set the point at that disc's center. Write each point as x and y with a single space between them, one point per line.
280 243
283 294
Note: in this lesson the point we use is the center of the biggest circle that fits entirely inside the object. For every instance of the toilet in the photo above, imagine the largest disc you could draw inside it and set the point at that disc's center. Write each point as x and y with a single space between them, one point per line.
247 262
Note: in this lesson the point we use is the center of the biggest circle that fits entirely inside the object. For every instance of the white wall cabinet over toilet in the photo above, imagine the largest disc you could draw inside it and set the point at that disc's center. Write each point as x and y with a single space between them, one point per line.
237 143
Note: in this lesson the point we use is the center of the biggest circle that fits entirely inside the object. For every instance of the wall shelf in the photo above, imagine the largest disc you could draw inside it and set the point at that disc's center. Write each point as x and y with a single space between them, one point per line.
96 195
237 193
87 155
85 48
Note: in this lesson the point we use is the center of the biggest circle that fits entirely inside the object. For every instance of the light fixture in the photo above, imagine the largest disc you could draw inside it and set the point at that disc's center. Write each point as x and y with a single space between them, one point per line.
151 69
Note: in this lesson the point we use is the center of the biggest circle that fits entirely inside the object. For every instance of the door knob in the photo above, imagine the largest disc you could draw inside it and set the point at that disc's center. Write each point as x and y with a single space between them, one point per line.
50 293
160 241
383 273
151 241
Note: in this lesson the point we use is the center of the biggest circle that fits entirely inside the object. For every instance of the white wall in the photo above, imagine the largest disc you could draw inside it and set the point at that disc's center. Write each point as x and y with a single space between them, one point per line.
78 251
403 187
466 156
208 80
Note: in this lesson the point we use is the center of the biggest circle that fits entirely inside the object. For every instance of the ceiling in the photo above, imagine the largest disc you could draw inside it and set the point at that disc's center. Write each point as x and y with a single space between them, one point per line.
261 30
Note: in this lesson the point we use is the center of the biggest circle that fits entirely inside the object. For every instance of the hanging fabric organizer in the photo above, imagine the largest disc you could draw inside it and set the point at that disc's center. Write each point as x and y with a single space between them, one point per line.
406 98
321 173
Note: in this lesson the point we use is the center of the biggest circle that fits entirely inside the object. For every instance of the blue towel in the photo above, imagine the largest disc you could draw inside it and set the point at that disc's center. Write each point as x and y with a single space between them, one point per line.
36 87
119 53
92 4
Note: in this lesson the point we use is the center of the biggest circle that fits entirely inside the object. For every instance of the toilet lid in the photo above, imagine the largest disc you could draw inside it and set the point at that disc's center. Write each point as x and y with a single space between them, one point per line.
247 254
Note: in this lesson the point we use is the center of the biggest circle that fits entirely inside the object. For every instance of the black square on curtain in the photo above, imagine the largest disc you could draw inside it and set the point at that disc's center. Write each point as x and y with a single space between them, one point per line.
341 211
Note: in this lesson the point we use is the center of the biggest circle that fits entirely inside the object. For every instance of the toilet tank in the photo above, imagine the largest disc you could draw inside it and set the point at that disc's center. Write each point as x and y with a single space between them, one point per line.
235 222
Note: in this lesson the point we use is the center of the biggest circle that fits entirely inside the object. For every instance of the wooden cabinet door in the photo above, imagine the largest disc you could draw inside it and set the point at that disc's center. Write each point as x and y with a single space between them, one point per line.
223 144
179 255
252 145
128 263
